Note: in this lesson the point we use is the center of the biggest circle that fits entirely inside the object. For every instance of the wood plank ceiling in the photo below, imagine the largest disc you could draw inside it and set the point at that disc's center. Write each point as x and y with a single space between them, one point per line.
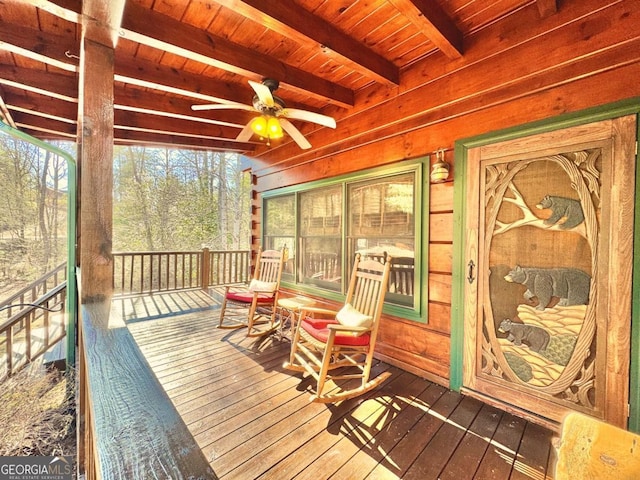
171 54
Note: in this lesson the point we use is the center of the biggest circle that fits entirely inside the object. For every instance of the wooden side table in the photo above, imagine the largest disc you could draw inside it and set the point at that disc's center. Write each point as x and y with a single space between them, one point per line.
288 309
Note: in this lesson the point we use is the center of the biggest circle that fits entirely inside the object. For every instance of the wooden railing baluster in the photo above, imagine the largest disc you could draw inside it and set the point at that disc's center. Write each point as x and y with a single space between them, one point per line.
28 339
9 333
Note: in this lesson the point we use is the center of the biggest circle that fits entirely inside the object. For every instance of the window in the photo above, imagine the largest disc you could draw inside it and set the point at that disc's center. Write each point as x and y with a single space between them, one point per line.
377 213
280 229
321 237
382 224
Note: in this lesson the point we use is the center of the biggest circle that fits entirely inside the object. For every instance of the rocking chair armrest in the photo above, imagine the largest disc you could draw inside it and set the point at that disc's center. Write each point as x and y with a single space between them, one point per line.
322 311
345 328
238 286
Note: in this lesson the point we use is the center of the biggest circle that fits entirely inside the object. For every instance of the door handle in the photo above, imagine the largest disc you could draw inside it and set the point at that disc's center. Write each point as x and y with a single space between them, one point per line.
470 267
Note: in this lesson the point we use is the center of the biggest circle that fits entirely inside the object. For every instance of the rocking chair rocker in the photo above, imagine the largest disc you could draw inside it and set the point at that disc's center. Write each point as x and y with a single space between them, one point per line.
343 340
254 306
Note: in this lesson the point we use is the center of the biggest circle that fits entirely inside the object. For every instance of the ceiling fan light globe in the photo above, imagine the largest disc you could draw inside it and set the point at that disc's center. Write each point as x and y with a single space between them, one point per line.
274 128
259 125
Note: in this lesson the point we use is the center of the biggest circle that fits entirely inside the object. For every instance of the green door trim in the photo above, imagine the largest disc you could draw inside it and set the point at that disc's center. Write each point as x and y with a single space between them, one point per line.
71 306
462 147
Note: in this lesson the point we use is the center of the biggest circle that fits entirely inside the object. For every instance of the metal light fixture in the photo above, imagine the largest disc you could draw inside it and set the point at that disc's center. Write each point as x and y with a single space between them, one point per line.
440 169
267 127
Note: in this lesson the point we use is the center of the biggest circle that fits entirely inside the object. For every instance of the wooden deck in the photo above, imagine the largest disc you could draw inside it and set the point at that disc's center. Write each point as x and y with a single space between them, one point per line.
252 419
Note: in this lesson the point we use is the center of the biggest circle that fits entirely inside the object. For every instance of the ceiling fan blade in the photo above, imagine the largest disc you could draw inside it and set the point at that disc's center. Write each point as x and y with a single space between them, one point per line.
245 134
318 118
223 106
294 133
263 92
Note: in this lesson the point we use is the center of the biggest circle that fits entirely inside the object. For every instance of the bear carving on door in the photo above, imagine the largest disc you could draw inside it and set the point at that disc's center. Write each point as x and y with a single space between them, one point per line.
546 220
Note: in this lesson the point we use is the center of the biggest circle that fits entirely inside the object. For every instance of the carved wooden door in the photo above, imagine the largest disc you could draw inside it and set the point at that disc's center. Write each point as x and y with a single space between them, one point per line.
548 289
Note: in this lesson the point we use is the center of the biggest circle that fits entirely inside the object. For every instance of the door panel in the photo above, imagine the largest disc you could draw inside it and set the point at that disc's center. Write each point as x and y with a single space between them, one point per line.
548 290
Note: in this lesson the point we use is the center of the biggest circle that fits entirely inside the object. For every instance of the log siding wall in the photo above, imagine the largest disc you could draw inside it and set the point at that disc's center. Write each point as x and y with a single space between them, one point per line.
514 72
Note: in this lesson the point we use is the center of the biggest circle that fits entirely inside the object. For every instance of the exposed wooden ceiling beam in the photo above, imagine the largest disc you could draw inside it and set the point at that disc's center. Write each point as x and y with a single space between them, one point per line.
29 121
152 75
42 95
56 85
50 128
70 10
145 101
139 121
61 52
130 110
101 19
123 137
44 134
286 18
55 50
198 87
547 7
40 112
429 17
149 28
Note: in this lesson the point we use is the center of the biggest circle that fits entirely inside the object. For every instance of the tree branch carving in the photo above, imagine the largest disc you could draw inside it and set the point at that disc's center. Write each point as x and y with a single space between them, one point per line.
529 218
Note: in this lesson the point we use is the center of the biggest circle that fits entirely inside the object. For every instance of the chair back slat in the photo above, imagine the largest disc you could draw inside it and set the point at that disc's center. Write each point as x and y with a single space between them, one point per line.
269 266
366 292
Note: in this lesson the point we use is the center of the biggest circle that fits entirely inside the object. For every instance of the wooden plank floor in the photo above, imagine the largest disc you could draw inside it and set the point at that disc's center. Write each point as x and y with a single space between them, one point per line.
252 419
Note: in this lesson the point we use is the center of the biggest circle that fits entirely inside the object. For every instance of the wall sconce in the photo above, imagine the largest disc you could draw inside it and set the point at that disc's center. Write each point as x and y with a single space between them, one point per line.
440 169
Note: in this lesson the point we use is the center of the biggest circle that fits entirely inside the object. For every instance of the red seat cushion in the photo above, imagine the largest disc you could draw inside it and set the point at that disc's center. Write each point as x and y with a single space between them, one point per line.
247 297
319 330
319 323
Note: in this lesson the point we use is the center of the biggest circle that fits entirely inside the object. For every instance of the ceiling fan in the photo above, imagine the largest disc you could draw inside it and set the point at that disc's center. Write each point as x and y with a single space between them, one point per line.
273 117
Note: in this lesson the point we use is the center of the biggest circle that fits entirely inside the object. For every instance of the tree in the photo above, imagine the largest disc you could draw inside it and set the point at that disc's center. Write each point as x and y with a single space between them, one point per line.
164 200
32 209
168 199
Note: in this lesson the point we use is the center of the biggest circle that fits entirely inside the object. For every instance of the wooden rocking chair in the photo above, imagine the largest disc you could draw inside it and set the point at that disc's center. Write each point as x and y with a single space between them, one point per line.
326 340
254 306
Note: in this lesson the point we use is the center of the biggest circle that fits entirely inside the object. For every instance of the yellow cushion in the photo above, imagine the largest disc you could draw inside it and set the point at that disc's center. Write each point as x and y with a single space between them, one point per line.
350 317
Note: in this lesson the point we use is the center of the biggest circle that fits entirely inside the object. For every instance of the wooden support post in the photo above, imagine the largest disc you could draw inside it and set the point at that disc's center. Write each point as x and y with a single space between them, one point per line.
95 139
100 24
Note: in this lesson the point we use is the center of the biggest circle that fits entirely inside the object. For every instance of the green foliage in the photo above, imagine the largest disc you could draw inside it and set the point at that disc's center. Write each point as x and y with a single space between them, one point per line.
179 200
163 200
33 207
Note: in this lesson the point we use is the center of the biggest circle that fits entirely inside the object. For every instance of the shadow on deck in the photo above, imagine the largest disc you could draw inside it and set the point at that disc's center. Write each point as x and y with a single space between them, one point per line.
252 419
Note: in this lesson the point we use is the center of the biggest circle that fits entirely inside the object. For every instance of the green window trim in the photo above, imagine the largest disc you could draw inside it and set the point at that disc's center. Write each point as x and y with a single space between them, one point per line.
418 311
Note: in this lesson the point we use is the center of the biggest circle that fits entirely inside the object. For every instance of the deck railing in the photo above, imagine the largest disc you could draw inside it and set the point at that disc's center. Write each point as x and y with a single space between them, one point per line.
32 330
32 292
33 319
147 272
